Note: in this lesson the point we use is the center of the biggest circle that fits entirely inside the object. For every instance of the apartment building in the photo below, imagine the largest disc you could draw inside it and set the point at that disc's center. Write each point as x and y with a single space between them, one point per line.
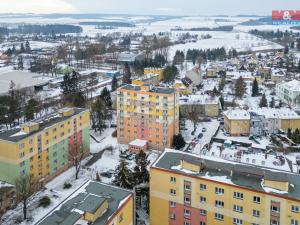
42 147
260 121
237 122
147 113
205 105
289 93
192 190
95 204
154 70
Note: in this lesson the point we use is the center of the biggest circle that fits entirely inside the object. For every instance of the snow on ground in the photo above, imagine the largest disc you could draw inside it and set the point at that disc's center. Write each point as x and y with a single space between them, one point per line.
197 144
54 189
241 41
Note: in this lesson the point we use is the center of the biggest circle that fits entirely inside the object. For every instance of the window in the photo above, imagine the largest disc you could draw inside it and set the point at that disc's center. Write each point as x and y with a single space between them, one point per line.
187 200
172 204
256 199
274 222
22 164
22 154
274 208
187 187
294 222
202 187
121 218
238 208
219 216
202 223
254 224
238 195
203 212
295 209
237 221
187 212
172 192
172 216
173 179
31 150
256 213
202 199
186 223
219 204
21 145
219 191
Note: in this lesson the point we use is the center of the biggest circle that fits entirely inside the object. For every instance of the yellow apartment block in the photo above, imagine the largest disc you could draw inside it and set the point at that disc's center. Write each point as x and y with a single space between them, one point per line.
153 70
42 147
191 190
147 113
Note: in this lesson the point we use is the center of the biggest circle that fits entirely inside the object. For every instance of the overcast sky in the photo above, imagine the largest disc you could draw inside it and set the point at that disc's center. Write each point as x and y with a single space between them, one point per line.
162 7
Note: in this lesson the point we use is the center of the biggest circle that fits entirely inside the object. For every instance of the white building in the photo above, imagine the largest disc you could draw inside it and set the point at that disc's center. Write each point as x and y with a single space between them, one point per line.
289 93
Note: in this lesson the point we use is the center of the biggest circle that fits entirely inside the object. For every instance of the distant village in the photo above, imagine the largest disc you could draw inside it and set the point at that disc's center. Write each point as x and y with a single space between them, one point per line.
118 129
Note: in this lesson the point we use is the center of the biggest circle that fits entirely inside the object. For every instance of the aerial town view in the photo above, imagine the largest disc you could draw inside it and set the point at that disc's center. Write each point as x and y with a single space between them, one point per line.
133 112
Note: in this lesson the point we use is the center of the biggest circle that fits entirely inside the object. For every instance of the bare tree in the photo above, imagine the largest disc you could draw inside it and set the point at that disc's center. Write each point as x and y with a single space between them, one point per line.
26 185
76 155
192 112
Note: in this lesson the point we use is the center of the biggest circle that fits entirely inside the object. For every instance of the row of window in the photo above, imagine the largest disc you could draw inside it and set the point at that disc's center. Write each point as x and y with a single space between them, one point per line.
220 217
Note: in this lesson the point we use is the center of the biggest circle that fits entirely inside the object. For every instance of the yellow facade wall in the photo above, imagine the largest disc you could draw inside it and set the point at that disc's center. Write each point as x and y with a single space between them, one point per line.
290 123
160 185
125 216
237 127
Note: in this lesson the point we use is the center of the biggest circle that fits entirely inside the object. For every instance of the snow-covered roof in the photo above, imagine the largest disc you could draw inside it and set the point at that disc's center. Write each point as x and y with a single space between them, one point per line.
229 172
273 113
293 85
237 114
198 99
138 142
22 79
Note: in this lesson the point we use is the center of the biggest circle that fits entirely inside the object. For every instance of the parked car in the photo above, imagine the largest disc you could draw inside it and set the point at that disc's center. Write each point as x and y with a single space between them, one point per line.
106 174
203 129
200 135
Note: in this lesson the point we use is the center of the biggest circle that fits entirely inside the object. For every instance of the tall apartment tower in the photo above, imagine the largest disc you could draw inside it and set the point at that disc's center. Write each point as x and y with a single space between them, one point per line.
147 113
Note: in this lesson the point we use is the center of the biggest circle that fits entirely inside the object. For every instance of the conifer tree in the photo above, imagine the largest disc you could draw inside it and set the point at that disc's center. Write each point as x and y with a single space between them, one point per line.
289 133
31 108
240 87
22 48
272 103
255 88
178 142
98 115
263 101
141 174
127 74
20 63
123 176
105 95
114 83
27 47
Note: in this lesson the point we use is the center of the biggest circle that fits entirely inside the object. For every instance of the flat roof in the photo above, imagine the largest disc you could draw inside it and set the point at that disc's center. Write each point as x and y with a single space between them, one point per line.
22 79
161 90
69 210
15 134
233 173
